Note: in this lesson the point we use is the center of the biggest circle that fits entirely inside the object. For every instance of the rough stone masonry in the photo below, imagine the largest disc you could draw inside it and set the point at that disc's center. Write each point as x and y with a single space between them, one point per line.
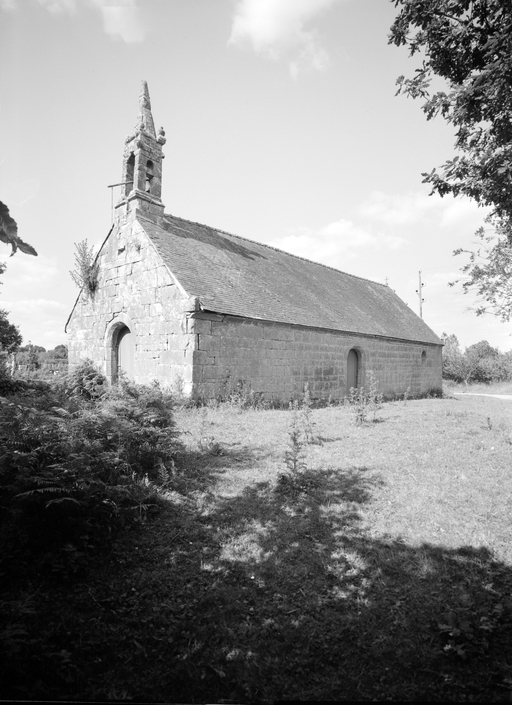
203 311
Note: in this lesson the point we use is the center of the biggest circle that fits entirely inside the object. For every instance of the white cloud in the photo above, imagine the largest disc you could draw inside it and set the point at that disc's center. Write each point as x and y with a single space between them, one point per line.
408 208
31 306
121 18
277 29
22 270
458 211
40 321
335 244
397 209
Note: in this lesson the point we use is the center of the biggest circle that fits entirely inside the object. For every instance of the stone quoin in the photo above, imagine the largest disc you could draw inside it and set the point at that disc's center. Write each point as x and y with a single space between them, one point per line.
202 311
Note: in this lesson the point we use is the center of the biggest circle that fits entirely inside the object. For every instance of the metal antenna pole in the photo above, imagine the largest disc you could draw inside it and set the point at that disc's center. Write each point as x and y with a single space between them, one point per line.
419 291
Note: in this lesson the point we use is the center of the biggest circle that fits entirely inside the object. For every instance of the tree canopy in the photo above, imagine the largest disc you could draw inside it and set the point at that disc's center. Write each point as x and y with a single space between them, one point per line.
10 336
478 363
468 43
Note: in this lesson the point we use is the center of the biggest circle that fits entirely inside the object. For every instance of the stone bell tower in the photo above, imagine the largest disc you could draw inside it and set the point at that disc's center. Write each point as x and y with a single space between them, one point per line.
142 166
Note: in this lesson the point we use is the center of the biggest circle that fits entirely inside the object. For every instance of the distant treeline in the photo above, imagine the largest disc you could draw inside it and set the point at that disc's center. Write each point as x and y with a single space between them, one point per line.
37 360
478 363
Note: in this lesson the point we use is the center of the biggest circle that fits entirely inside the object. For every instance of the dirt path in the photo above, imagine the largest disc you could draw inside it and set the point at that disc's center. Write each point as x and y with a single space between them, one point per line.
478 394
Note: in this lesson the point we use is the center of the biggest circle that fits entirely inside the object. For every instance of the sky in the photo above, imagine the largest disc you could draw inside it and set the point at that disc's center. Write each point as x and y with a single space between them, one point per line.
282 126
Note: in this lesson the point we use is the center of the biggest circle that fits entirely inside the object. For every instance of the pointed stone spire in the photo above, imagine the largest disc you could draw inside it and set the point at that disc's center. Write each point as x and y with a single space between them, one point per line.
142 164
145 119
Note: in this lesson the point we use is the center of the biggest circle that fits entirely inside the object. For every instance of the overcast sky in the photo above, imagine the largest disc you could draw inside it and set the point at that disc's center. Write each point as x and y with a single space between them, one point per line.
282 126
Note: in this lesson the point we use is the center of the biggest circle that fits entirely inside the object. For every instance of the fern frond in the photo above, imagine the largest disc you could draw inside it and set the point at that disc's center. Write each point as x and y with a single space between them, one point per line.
39 490
61 500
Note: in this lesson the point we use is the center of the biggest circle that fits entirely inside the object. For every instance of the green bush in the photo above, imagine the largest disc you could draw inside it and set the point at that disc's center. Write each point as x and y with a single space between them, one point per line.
86 381
480 363
78 462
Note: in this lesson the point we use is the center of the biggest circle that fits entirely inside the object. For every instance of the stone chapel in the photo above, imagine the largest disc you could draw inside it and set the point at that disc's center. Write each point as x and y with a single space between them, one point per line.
202 311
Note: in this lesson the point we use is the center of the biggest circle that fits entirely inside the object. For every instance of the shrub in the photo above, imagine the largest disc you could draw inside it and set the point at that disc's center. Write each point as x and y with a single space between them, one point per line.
294 454
364 401
72 475
307 417
241 397
86 382
478 363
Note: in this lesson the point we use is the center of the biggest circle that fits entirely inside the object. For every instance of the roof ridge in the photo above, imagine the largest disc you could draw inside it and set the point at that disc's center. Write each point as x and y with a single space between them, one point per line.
276 249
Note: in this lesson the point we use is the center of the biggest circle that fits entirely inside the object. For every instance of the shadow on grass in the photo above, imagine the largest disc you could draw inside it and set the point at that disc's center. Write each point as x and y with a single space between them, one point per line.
281 593
223 456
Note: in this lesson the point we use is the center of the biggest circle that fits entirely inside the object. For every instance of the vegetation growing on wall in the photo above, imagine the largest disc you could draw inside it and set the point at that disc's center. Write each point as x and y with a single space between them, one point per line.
86 271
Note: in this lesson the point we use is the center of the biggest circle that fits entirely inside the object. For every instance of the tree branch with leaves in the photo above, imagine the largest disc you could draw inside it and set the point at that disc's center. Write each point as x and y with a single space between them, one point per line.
468 43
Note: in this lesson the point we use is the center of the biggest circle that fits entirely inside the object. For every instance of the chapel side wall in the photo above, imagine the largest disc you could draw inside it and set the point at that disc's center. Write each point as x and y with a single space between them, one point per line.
278 359
135 288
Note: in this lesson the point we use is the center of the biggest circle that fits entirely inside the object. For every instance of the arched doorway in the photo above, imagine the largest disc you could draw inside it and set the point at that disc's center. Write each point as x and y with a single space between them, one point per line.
125 348
352 370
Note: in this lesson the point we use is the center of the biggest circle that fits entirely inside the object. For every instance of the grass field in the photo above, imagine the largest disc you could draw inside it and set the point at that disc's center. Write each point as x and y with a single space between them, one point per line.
382 572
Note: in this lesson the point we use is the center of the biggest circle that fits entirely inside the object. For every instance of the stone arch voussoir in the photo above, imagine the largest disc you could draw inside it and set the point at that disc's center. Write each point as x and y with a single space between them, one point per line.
116 325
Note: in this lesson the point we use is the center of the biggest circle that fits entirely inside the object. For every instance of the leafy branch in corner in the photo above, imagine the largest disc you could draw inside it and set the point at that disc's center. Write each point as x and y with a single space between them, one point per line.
488 272
468 44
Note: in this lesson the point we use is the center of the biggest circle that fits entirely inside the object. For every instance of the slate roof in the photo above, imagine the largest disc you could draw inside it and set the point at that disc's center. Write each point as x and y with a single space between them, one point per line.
232 275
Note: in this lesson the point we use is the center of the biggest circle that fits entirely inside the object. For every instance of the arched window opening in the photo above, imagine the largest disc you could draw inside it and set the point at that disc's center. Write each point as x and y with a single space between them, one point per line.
125 352
149 176
130 171
423 357
352 370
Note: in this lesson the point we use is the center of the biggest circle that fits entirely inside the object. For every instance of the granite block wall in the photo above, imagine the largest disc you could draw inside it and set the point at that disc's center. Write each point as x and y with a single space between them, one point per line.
206 355
276 359
135 289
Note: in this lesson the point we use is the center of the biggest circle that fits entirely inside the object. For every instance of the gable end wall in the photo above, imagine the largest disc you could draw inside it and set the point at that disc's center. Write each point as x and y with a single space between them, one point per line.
135 289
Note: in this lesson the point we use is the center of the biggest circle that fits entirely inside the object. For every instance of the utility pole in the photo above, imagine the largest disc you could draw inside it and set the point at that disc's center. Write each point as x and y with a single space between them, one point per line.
419 291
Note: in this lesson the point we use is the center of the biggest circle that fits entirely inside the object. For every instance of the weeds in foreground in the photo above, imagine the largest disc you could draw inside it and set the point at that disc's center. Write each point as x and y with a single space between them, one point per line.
294 457
242 397
300 435
307 416
365 402
463 635
207 442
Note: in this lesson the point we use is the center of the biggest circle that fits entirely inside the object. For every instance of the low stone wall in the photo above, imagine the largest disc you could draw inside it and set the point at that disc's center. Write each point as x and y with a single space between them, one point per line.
277 359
